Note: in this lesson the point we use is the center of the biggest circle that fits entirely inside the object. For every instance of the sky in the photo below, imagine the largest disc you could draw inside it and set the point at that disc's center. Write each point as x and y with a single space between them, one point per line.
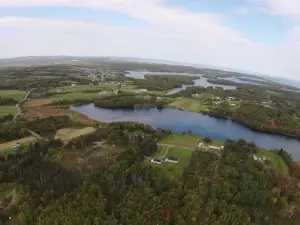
253 35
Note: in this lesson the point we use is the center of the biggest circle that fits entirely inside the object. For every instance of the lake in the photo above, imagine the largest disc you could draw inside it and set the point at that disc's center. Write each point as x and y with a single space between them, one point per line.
198 82
178 121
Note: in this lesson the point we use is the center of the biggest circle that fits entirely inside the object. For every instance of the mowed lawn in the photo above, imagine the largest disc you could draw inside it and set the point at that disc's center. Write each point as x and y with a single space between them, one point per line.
15 94
174 169
186 141
276 160
192 105
181 140
7 109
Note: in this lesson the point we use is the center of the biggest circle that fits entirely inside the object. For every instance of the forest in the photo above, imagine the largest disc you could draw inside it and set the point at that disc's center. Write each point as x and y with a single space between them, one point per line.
129 102
228 189
164 82
43 126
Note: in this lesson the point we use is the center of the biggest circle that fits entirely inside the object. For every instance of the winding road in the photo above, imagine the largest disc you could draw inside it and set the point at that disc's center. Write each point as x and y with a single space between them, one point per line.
18 104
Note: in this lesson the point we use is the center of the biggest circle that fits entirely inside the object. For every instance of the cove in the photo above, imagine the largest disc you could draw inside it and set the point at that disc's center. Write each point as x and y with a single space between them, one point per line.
178 121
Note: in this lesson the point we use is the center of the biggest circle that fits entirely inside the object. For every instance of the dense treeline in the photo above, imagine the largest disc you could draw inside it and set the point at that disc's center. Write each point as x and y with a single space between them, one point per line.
129 101
28 82
164 82
6 118
262 118
228 189
11 131
222 82
8 101
46 127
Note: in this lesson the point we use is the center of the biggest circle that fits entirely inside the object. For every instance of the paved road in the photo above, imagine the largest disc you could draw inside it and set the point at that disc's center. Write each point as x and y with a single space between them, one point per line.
177 146
18 104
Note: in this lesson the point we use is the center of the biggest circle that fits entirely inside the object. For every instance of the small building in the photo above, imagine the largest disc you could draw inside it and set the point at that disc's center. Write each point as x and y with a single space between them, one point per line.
156 161
232 104
143 90
171 159
17 145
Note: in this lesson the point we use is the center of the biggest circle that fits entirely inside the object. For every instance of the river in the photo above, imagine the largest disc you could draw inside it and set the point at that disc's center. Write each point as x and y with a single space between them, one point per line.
178 121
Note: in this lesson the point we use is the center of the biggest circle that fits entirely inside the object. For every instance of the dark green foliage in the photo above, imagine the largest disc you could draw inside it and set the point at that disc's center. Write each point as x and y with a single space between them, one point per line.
6 118
8 101
164 82
228 189
128 101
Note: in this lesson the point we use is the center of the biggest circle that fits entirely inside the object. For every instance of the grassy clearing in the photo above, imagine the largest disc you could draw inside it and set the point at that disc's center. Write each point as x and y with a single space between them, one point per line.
7 146
15 94
82 87
187 141
181 140
7 109
68 134
276 160
76 96
175 169
192 105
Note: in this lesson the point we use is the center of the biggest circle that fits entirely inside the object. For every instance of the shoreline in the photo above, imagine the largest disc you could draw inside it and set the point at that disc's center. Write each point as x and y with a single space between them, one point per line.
203 113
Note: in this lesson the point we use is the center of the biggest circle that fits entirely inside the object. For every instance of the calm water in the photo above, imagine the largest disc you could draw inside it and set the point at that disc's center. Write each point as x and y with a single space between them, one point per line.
178 121
199 82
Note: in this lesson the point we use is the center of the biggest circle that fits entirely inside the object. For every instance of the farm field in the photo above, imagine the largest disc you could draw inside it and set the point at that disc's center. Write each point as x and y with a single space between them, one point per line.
276 160
84 87
76 96
190 105
5 110
68 134
15 94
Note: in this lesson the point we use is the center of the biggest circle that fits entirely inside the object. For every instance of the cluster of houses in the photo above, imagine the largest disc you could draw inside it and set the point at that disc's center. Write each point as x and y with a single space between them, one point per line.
160 160
263 159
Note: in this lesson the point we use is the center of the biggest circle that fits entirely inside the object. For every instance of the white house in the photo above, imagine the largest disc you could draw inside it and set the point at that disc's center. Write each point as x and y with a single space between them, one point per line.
17 145
171 160
214 147
156 161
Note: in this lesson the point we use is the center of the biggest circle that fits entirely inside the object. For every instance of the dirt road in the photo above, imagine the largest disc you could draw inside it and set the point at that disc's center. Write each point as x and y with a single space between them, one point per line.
18 104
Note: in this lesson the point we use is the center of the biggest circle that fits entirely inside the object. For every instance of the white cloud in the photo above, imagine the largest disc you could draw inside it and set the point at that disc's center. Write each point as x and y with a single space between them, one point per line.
174 34
287 8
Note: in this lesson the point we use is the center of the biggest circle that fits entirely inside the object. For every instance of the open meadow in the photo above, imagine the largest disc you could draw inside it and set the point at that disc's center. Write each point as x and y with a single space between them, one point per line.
15 94
67 134
192 105
7 109
276 160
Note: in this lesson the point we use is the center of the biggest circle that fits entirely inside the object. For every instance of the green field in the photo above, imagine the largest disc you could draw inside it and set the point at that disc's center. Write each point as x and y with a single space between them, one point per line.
15 94
83 87
192 105
276 160
76 96
186 141
174 169
5 110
